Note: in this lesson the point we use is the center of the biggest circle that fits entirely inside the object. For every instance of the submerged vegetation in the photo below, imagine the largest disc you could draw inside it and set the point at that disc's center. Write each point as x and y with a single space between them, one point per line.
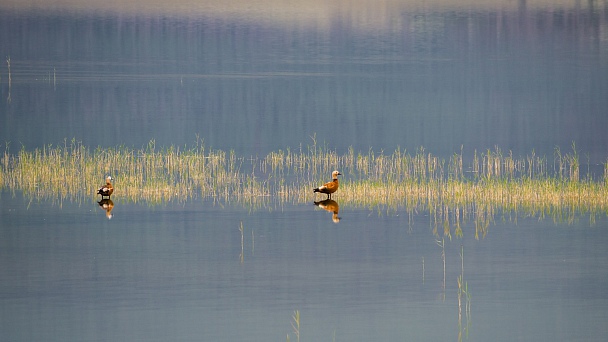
459 189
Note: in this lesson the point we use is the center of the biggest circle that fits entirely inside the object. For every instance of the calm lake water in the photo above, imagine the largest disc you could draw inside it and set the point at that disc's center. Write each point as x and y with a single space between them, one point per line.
256 77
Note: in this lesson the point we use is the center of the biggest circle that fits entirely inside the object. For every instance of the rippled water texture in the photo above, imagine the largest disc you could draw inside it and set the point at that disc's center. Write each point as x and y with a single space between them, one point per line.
259 77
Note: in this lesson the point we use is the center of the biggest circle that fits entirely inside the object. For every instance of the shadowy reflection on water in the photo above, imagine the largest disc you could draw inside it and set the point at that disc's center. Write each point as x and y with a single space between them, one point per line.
386 73
332 206
263 77
187 272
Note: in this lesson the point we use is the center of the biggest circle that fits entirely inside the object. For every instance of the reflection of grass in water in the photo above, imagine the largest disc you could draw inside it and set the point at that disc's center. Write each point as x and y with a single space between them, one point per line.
463 292
151 175
451 191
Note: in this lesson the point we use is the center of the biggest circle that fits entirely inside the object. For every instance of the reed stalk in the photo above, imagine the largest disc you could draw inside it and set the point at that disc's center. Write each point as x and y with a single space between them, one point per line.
295 324
463 291
454 192
8 64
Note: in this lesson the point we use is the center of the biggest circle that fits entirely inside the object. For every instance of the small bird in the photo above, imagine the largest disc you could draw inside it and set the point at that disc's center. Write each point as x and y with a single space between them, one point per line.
106 190
329 187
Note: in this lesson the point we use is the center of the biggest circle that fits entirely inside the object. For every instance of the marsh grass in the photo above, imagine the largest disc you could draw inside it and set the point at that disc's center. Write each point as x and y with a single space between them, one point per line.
485 187
295 325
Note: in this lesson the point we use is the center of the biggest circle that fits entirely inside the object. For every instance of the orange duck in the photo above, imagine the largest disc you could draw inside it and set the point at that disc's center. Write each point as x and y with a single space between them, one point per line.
106 190
329 187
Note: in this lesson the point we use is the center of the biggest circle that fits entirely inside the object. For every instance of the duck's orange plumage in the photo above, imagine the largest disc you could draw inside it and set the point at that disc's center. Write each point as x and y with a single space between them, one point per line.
329 187
107 205
106 190
331 206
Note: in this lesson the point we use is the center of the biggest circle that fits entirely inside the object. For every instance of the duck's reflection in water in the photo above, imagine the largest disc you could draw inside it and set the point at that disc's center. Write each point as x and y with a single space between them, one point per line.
331 206
107 205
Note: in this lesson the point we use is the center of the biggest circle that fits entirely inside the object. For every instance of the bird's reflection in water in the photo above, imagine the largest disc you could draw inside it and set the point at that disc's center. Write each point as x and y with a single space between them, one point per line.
107 205
331 206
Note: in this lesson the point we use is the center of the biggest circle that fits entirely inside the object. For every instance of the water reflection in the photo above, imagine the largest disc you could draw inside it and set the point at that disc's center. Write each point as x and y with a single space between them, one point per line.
107 205
254 78
331 206
8 65
395 74
464 299
494 185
